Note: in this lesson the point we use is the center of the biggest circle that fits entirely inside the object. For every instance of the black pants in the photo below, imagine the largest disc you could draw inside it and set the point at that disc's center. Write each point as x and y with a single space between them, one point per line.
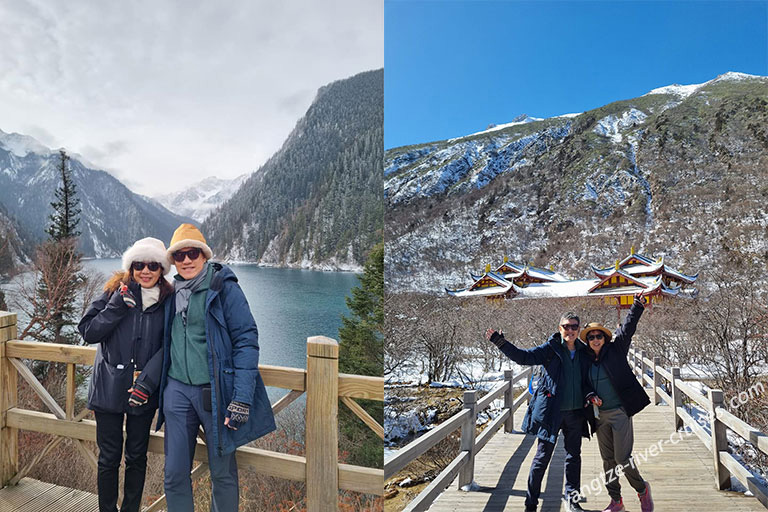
109 438
572 426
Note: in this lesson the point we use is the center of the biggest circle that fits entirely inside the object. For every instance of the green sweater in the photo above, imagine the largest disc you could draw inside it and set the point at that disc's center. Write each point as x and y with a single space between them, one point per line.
598 377
571 391
189 347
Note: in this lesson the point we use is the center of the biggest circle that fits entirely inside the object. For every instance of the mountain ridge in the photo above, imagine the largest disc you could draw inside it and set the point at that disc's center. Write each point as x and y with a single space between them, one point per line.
538 191
112 216
315 203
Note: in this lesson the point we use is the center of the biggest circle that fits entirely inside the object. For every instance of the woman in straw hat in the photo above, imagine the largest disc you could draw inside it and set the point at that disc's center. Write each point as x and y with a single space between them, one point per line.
127 324
618 396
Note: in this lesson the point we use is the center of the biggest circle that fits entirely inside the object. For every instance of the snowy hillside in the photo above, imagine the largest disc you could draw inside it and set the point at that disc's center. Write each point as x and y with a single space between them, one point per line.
582 188
112 216
199 199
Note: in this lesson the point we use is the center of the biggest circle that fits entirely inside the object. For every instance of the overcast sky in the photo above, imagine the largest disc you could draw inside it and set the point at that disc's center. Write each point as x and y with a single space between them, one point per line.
163 94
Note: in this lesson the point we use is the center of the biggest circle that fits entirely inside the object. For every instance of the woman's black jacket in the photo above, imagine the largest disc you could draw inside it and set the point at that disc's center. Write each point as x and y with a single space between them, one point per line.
129 339
613 359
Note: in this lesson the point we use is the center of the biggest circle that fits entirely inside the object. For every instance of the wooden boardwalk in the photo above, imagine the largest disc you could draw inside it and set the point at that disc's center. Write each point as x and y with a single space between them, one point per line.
681 474
35 496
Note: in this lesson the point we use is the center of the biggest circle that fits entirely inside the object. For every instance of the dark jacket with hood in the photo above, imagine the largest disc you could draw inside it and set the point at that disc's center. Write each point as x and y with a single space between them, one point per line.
613 359
233 361
543 416
129 339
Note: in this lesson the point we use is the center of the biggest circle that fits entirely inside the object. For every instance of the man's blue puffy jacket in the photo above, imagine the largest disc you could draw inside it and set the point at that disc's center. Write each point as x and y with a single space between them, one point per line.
233 359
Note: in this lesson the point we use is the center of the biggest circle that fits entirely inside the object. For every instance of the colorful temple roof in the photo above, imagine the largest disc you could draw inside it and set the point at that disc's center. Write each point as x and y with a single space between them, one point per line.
522 275
488 285
616 285
640 265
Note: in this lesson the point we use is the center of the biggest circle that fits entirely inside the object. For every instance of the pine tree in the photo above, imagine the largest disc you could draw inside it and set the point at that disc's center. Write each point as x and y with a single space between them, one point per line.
360 352
66 210
59 264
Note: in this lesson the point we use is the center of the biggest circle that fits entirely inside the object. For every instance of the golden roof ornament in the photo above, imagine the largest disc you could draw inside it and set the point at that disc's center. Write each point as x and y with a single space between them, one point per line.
487 268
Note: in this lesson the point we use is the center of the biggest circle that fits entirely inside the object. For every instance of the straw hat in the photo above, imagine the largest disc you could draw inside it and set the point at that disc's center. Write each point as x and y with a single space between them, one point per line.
594 326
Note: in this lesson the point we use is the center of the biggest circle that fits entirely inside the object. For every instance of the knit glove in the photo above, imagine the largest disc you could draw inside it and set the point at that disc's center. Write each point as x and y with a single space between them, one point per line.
139 395
237 412
127 296
497 338
593 399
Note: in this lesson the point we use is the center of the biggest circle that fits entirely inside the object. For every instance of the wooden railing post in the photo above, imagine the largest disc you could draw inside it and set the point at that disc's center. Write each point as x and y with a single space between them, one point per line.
719 440
677 398
643 368
656 380
509 400
322 424
467 473
9 437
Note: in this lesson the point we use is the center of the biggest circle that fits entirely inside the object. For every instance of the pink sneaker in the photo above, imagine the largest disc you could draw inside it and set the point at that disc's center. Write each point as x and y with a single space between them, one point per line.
646 502
615 506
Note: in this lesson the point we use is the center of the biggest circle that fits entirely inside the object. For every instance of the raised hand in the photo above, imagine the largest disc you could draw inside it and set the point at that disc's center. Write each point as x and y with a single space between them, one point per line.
495 337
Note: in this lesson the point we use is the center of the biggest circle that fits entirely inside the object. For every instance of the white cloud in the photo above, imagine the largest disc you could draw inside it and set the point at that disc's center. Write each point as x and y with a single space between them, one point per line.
167 93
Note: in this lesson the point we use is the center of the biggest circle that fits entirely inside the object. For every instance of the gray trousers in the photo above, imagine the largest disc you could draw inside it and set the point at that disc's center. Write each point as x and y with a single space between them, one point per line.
183 408
615 439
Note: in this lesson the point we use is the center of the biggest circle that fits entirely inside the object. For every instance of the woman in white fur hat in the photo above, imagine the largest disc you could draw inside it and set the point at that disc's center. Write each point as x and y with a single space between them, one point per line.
127 324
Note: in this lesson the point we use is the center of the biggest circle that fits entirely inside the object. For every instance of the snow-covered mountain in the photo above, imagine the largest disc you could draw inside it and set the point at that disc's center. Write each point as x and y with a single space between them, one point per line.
199 199
112 216
680 171
316 203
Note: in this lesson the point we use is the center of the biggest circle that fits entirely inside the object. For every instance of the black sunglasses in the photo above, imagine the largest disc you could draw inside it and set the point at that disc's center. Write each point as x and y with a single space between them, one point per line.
570 327
595 337
138 266
193 254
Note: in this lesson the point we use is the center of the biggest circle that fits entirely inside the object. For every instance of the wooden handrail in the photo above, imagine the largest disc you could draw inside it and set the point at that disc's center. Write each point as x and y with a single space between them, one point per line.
744 429
354 386
725 465
463 464
321 381
415 449
495 394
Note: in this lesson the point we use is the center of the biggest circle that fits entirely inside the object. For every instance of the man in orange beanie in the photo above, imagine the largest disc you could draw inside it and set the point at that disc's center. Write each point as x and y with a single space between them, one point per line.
210 374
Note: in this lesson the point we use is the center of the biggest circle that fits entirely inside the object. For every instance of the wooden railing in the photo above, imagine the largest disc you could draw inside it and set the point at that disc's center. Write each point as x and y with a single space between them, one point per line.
650 372
321 381
464 463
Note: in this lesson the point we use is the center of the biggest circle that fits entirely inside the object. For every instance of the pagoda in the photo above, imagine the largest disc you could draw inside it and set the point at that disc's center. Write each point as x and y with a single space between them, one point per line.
614 286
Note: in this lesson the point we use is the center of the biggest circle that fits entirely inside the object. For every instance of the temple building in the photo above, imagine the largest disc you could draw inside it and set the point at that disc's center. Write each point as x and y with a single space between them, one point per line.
523 275
615 286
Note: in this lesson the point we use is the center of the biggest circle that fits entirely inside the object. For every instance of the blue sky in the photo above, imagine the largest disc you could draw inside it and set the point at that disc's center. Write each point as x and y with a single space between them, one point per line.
454 67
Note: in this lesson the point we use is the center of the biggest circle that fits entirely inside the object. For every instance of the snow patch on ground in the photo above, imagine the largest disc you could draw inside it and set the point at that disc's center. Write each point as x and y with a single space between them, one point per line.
611 126
684 91
523 119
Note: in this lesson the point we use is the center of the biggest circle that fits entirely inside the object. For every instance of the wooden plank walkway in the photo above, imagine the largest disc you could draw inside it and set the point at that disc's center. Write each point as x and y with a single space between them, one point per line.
681 474
36 496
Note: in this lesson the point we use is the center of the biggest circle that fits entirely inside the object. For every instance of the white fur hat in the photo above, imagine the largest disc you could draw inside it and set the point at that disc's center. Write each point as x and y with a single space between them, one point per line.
147 250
